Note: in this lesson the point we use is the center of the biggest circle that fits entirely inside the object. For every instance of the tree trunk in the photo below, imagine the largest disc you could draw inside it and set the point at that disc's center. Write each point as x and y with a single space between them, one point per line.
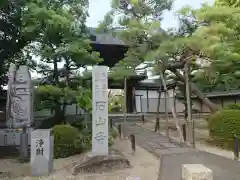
166 112
157 123
185 104
177 122
57 109
195 90
189 100
63 112
188 94
165 102
67 72
67 79
109 93
174 113
125 106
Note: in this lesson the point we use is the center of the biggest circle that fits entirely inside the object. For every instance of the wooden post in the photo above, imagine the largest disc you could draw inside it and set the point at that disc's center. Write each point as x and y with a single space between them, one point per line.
147 101
142 118
166 112
157 123
119 127
133 143
184 132
235 147
125 105
141 103
111 123
189 106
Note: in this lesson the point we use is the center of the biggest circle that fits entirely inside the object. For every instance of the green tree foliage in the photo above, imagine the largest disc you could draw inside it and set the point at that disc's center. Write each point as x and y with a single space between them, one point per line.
217 40
232 3
147 42
13 34
53 95
140 21
84 99
63 39
53 32
115 102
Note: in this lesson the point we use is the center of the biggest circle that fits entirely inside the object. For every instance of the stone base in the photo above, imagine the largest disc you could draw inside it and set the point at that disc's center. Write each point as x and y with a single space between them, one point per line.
196 172
97 164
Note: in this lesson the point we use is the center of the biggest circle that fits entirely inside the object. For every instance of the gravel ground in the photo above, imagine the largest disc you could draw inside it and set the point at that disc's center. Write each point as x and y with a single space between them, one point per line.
144 165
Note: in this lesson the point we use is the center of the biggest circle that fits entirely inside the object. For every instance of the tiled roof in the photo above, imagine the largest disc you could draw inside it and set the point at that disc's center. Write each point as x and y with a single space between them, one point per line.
104 38
218 94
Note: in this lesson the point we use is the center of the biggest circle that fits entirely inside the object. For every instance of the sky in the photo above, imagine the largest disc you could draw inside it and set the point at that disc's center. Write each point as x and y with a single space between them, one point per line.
98 8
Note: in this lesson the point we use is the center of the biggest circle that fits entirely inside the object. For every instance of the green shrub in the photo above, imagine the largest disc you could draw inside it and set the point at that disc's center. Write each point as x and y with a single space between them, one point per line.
222 126
78 123
234 106
86 138
113 132
112 135
66 141
69 141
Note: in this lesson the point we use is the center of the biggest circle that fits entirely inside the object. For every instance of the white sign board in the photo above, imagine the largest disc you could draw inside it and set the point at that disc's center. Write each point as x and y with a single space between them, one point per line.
41 152
100 110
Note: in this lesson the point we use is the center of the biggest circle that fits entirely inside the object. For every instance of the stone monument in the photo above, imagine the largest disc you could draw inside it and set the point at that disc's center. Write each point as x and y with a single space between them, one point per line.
41 152
101 159
19 107
100 110
19 110
11 75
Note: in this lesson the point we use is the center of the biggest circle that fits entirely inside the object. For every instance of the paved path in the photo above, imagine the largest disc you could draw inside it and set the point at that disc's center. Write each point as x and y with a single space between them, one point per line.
153 142
174 155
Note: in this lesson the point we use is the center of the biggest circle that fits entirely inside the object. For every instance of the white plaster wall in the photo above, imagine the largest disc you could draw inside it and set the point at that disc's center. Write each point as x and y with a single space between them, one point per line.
153 101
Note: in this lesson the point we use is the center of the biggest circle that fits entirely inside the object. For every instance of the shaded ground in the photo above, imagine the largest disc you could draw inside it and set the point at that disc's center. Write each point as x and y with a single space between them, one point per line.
222 167
144 164
201 135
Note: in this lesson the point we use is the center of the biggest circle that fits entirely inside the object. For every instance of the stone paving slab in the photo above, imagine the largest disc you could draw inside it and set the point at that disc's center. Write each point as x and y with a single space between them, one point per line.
156 144
222 167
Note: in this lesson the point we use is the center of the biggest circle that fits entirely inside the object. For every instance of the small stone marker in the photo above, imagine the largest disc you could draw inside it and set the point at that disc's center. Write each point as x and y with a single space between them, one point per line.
41 152
196 172
100 110
132 178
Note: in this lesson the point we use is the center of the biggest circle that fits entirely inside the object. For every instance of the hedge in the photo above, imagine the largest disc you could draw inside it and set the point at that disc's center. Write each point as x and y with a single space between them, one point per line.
65 141
223 125
234 106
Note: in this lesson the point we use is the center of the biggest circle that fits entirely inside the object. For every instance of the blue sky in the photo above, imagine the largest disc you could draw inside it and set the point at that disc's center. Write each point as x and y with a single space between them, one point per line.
98 8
